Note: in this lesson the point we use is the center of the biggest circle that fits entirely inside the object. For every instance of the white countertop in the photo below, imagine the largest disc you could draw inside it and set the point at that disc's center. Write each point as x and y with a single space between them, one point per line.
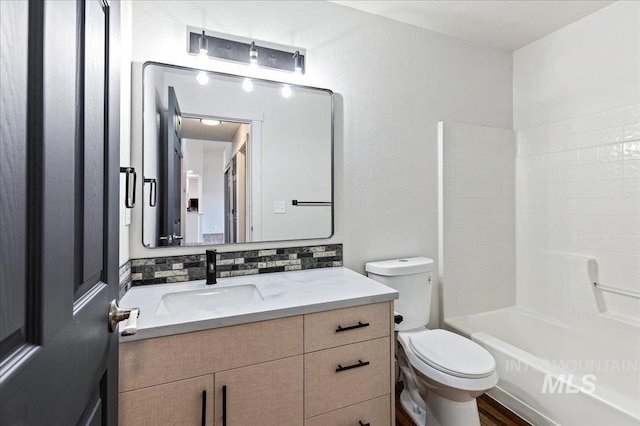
285 294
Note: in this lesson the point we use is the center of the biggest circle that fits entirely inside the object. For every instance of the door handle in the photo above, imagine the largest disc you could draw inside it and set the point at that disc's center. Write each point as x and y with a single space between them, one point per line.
117 314
130 189
153 191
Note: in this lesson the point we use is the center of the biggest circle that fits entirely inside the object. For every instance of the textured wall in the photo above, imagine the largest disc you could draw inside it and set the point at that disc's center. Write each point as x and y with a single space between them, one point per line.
578 191
478 205
393 83
590 66
577 112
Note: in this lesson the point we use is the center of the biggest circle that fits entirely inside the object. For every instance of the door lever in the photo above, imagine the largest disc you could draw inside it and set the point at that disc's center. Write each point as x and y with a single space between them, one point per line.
117 314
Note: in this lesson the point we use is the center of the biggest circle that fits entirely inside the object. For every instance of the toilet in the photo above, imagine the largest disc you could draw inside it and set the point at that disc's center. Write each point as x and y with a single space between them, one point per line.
443 372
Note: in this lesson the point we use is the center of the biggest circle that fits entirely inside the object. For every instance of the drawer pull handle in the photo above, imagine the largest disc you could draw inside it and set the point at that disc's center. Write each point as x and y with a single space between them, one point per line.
204 408
340 329
363 424
349 367
224 406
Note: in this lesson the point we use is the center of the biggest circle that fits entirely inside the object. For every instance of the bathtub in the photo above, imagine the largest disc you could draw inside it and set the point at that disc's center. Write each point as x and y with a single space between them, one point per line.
552 374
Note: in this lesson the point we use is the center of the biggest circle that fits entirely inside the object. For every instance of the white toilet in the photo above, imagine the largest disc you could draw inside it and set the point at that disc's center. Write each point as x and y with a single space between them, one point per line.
443 373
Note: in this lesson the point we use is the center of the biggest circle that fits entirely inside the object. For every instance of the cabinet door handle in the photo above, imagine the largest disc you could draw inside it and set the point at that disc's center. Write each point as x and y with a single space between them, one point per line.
153 191
204 408
349 367
224 406
363 424
340 329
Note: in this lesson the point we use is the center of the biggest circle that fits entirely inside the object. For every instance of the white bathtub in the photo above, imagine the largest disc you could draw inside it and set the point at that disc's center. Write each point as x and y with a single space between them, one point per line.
553 374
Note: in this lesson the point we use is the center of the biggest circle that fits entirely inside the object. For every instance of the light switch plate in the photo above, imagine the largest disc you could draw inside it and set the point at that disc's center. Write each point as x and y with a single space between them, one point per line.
279 207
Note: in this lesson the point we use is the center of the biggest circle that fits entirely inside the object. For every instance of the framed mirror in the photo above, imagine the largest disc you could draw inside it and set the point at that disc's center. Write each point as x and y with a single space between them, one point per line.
227 159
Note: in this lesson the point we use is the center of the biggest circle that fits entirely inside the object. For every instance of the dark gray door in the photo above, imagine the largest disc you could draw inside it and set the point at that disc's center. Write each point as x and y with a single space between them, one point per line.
58 213
171 233
230 203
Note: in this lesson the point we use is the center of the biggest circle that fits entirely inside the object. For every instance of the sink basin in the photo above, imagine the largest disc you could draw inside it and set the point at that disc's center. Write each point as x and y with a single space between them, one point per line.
209 299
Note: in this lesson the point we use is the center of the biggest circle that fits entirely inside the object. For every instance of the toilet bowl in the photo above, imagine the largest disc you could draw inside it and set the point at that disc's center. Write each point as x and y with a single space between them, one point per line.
443 372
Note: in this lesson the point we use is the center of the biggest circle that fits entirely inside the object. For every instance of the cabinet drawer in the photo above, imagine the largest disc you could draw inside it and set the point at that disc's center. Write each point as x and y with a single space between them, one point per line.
177 403
329 329
339 377
165 359
375 412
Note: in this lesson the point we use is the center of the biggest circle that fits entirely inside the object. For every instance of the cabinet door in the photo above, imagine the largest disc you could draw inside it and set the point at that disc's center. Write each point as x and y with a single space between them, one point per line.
185 402
267 394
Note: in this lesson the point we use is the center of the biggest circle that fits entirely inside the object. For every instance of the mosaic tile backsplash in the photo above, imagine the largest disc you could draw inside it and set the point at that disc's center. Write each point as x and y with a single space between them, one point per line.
173 269
125 278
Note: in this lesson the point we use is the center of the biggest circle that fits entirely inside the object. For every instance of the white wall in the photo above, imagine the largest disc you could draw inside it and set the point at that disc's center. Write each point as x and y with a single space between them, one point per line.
212 203
587 67
393 82
577 111
125 122
478 219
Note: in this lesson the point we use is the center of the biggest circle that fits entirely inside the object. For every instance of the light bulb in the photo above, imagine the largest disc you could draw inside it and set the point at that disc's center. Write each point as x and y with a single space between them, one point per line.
253 55
286 91
203 45
202 78
297 62
247 85
209 122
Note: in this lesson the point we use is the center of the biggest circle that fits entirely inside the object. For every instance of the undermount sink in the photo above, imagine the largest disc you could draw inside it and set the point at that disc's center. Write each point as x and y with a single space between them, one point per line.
210 299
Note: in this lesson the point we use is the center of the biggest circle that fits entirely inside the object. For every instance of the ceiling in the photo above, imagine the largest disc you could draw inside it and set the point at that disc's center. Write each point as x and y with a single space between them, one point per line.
507 25
192 128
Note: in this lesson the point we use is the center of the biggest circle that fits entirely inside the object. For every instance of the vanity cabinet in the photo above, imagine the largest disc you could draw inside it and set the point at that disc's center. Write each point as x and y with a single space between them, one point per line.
326 368
266 394
347 366
184 402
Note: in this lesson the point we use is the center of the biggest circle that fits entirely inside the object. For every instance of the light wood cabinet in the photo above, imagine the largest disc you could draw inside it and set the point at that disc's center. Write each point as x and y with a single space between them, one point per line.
267 394
326 368
328 329
375 412
151 362
338 377
185 402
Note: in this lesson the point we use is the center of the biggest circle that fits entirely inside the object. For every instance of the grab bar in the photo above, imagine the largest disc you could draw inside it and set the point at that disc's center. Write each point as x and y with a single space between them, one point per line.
617 290
592 265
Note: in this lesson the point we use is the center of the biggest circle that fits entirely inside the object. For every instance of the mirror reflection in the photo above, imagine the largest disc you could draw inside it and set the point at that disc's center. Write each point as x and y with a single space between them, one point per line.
230 160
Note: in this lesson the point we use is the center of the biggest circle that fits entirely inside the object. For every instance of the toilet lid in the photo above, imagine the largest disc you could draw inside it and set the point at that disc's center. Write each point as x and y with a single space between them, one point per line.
452 354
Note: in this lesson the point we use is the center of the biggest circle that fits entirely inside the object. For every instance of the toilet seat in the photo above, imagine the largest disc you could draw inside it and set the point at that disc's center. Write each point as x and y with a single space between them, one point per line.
452 354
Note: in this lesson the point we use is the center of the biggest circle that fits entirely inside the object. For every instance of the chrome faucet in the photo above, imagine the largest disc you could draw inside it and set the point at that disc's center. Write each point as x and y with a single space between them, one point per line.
211 267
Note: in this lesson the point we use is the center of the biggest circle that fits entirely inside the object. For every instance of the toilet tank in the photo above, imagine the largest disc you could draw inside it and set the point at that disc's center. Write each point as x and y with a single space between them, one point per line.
412 278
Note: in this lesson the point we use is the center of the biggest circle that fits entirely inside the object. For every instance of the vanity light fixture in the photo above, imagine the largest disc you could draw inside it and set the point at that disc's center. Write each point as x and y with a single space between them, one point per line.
202 78
253 55
209 122
212 45
247 85
203 45
297 62
286 91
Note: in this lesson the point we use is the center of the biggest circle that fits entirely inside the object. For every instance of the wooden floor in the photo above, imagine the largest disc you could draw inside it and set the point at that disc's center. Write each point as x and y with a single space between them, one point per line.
491 413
